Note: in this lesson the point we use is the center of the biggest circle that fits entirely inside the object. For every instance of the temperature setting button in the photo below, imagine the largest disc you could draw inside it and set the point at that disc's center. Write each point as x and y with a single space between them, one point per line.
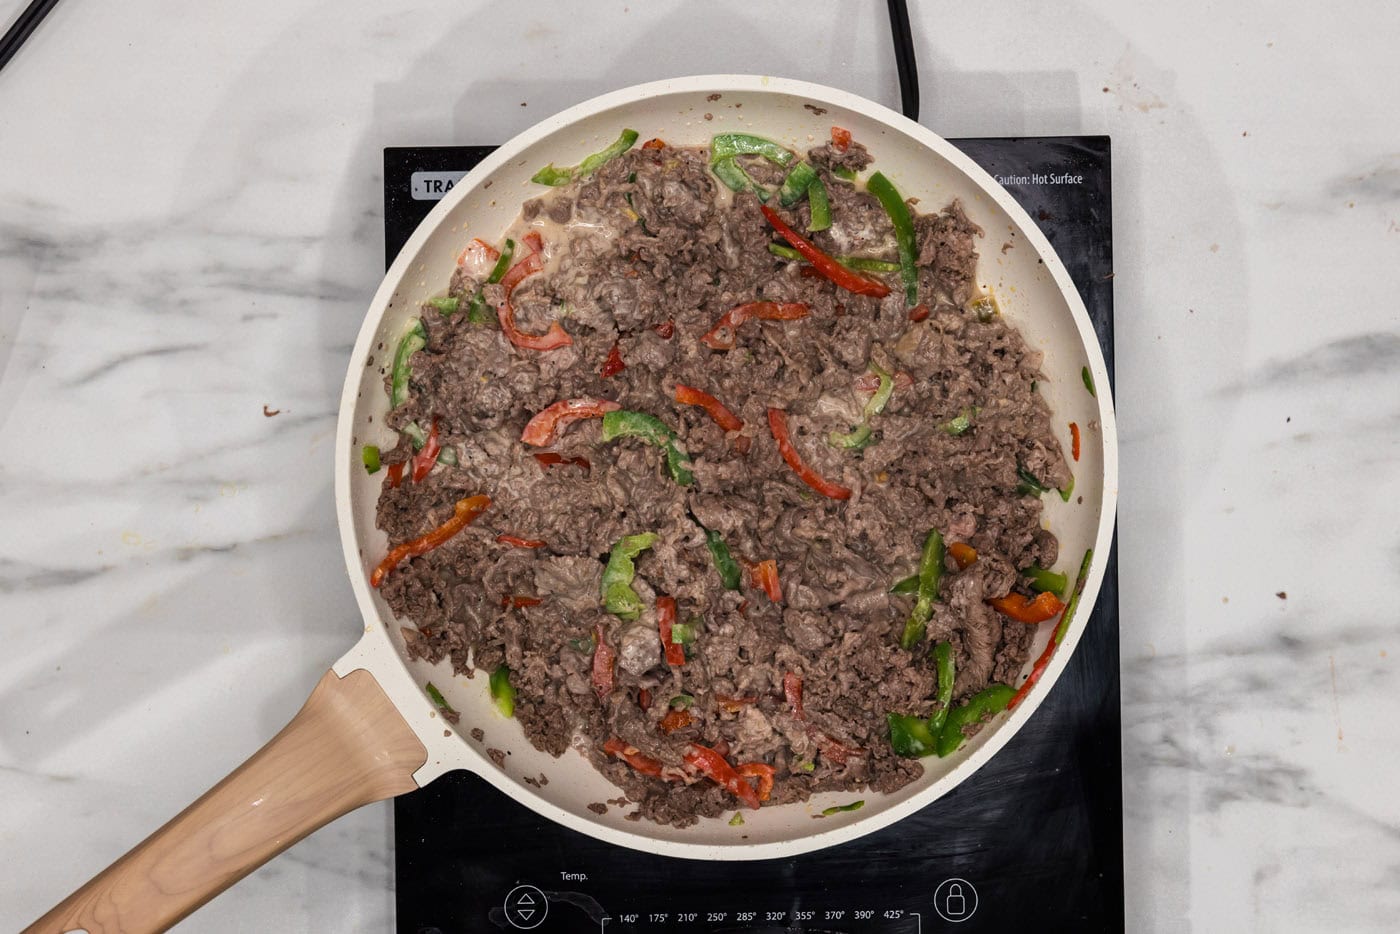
955 900
526 907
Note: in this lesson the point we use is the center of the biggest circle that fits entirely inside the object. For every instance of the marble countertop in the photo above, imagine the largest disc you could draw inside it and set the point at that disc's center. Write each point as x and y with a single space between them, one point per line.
190 230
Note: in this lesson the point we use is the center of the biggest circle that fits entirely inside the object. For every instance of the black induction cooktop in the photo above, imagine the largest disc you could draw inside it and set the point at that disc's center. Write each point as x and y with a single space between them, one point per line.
1034 839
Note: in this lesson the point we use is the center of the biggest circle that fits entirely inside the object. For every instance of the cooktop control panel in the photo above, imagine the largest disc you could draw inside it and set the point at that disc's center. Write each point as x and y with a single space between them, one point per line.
528 907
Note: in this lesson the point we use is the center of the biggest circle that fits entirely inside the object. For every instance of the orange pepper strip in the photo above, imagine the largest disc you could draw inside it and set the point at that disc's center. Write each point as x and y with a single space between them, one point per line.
1074 434
1018 607
764 774
765 577
675 720
963 554
465 513
517 542
633 757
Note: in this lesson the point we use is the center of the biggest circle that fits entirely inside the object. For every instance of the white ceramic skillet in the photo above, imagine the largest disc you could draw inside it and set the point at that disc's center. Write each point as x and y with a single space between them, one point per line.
369 731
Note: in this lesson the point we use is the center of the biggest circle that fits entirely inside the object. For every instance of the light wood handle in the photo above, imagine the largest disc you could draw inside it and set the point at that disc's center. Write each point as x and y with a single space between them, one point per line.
347 746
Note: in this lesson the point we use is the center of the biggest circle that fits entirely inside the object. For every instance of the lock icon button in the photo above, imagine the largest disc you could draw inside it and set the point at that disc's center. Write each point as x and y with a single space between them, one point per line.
956 904
955 900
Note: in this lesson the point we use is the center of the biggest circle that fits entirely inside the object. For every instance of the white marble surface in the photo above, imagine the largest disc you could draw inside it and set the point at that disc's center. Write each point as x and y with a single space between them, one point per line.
190 229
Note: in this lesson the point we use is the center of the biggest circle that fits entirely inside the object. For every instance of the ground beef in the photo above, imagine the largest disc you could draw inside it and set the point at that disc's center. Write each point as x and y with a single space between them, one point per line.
645 256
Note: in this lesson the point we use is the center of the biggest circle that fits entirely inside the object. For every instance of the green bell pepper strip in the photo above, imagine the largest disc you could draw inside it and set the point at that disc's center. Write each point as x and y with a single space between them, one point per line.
1080 580
502 691
821 206
370 456
962 424
910 736
476 311
842 171
683 633
947 672
861 436
838 808
413 340
624 423
1043 581
1068 491
681 701
1029 484
446 304
795 185
858 439
930 573
737 820
737 180
549 175
619 598
785 252
894 206
1088 381
729 145
883 392
440 702
987 702
909 585
728 568
867 264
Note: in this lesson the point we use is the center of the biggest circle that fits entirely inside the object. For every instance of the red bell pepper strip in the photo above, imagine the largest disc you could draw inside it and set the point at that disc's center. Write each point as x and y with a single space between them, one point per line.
840 139
689 395
613 365
395 474
675 720
726 330
792 690
552 339
1058 636
665 619
831 749
1074 435
764 774
478 256
666 330
544 428
518 602
654 143
918 313
549 459
534 241
463 515
824 264
777 423
424 460
1024 610
518 542
713 765
646 765
603 658
765 577
963 554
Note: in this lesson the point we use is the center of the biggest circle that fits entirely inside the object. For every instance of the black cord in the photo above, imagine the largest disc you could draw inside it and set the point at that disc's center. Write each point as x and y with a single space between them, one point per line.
904 61
23 26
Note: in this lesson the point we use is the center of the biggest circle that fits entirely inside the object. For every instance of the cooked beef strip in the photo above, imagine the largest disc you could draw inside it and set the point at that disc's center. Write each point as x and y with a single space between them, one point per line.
649 239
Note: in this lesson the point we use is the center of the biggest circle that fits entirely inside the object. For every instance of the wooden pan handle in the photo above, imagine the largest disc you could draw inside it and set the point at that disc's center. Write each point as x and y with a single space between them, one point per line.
347 746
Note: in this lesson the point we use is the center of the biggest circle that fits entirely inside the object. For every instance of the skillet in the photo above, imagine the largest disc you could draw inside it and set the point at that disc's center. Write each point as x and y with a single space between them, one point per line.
369 731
